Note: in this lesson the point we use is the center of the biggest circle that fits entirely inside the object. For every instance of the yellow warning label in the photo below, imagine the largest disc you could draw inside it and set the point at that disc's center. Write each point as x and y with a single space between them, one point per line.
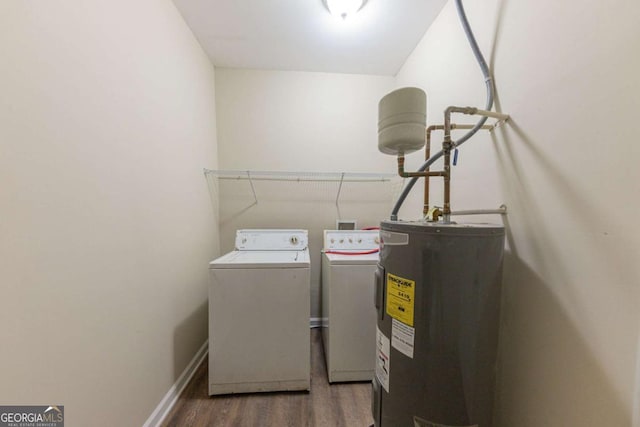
400 294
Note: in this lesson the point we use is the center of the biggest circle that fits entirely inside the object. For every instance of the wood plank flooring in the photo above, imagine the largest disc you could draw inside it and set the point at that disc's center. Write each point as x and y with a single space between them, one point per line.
336 405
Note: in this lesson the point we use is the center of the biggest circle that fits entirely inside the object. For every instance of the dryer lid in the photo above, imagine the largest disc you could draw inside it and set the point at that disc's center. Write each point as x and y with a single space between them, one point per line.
339 259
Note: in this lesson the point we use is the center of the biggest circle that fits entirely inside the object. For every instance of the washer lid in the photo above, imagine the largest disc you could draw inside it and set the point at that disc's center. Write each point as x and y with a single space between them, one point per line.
338 259
262 259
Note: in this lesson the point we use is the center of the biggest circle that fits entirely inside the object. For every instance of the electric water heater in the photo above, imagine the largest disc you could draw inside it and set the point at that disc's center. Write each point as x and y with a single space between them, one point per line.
438 307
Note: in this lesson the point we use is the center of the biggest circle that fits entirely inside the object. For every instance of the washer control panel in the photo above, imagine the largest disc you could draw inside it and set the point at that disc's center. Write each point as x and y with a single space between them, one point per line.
271 240
351 240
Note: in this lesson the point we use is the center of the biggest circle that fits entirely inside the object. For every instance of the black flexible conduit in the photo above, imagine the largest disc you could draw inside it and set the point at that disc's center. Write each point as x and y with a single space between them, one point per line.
488 82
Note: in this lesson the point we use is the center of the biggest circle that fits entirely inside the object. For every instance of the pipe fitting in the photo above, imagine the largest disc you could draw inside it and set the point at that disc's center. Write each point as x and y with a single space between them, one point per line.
401 166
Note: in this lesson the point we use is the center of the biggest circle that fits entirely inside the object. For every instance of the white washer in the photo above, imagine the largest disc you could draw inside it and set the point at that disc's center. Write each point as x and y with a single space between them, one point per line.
259 299
348 311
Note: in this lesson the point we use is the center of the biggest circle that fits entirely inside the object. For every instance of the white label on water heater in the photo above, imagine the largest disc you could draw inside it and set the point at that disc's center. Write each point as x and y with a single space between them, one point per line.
383 362
402 337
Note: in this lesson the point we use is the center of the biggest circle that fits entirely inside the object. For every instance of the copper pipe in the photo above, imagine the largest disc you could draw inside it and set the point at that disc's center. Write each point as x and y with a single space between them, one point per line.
447 145
401 165
446 210
404 174
446 148
422 174
427 155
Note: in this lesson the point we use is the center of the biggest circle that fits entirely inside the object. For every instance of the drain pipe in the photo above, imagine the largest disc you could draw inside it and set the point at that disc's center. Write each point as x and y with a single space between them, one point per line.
502 210
448 144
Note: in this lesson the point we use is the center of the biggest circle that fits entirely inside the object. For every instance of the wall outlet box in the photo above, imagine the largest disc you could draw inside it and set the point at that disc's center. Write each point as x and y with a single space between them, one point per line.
346 224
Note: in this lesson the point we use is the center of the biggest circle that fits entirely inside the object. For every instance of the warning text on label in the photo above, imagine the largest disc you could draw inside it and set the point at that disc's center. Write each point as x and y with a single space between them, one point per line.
400 298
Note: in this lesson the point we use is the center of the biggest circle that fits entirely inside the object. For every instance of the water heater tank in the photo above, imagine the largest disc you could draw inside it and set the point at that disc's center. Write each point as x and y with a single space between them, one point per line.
402 118
438 303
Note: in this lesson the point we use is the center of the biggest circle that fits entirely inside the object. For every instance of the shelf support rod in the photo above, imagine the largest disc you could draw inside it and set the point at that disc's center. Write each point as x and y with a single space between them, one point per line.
253 190
338 195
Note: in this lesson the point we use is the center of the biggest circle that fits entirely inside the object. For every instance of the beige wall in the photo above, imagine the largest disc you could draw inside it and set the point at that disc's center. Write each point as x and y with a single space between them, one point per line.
107 117
300 121
567 167
106 224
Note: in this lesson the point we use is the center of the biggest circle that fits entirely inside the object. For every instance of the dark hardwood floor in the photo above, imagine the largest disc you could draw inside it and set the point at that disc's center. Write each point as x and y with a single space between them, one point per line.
337 405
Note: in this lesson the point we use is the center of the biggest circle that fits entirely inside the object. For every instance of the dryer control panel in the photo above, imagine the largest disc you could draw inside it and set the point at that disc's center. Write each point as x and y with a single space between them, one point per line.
351 240
271 240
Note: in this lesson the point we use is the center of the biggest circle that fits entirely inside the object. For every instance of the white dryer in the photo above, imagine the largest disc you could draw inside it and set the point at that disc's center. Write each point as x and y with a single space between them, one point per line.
349 317
259 299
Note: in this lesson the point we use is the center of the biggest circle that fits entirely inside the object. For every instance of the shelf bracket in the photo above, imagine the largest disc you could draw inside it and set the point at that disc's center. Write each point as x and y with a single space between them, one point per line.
338 195
253 190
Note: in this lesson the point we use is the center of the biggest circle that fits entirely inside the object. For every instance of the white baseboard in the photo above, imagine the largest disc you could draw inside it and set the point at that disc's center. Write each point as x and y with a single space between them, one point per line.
170 399
636 404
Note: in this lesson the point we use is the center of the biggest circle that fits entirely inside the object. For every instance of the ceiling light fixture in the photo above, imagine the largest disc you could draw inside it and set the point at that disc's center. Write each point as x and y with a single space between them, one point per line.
344 8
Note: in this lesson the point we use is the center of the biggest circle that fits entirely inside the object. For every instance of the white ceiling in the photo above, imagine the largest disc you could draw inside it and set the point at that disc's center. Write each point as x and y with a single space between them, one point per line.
301 35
